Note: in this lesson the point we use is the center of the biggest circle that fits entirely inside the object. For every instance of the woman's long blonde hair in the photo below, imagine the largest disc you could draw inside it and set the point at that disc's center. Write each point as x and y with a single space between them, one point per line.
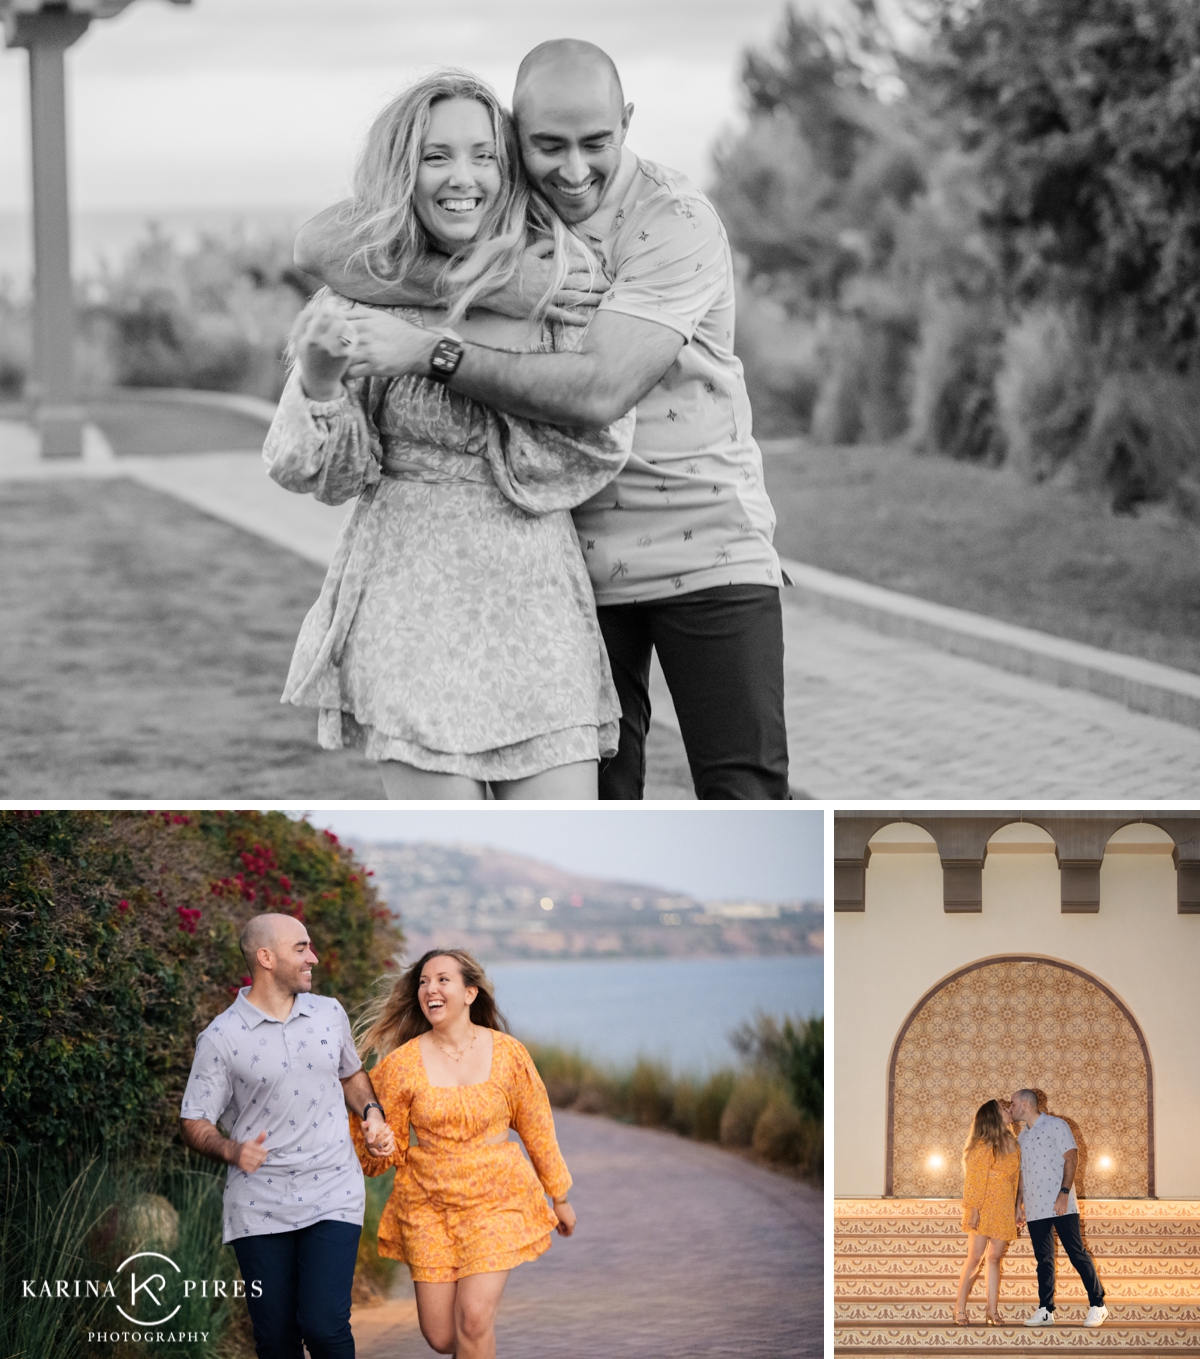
989 1127
395 1016
387 236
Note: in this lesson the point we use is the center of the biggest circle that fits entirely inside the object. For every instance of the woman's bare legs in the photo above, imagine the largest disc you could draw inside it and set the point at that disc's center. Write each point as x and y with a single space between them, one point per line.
460 1318
976 1245
405 782
579 781
995 1253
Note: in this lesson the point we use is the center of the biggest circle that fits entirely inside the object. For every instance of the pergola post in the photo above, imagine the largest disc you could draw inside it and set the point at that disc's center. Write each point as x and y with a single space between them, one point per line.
46 28
47 35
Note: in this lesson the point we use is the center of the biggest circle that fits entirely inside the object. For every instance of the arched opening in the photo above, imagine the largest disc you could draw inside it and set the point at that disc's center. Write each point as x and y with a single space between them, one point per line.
997 1025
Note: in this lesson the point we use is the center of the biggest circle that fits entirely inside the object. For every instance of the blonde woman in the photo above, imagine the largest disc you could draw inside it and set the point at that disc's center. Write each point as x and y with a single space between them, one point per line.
466 1207
455 640
991 1171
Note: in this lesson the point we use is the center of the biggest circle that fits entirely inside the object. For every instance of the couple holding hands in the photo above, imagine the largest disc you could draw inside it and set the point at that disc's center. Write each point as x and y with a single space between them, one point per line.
522 367
279 1070
1012 1181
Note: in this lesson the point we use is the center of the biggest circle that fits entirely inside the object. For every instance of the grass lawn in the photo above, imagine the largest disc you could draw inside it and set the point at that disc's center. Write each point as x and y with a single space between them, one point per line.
979 539
145 648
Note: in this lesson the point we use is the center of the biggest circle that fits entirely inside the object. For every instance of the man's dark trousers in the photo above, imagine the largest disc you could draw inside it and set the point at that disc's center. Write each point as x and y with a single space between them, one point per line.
1041 1238
306 1278
721 651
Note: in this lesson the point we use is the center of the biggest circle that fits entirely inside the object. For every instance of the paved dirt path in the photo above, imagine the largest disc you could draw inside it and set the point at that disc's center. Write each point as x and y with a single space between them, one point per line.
682 1251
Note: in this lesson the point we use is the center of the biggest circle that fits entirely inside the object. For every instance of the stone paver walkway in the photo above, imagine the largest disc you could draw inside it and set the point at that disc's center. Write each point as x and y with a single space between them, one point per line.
682 1251
869 715
877 716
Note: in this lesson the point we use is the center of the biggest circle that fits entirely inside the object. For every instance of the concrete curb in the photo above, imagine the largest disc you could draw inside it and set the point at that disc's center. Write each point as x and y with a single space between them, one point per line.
254 406
1143 686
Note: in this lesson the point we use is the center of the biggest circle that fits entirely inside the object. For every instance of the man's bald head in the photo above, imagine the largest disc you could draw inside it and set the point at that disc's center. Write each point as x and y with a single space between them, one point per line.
272 930
572 63
571 121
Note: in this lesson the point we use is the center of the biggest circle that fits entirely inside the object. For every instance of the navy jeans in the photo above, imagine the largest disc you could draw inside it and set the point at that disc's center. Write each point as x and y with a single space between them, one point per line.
1041 1238
306 1277
721 651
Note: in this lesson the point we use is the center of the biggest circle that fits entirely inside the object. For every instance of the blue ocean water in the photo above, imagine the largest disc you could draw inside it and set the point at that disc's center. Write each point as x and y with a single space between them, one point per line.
679 1010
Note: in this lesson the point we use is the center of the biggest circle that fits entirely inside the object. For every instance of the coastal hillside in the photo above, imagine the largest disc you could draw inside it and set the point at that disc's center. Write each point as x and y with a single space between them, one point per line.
504 906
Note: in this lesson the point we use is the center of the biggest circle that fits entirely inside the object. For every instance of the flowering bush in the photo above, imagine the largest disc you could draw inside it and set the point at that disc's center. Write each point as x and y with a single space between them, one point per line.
118 943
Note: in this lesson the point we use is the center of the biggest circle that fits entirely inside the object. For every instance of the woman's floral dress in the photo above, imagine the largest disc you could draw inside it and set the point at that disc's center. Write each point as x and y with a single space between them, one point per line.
990 1184
461 1203
456 629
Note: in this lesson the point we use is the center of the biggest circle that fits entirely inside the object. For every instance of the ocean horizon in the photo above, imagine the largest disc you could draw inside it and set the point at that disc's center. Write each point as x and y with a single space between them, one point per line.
676 1010
102 237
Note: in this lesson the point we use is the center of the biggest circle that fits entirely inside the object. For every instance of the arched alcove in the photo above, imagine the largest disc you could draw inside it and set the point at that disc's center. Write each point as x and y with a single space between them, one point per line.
1002 1023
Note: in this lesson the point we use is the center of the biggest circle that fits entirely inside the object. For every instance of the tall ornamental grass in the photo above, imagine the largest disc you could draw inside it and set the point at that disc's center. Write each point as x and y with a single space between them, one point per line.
772 1107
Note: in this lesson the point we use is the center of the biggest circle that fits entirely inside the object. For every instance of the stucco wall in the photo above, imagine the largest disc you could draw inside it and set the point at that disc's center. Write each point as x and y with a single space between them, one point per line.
888 956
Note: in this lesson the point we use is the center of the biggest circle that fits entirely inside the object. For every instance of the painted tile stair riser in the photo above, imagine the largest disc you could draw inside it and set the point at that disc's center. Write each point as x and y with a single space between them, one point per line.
896 1265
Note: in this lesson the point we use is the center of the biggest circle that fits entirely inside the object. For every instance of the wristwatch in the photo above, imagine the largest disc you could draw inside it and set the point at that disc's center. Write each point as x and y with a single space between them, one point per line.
372 1105
447 355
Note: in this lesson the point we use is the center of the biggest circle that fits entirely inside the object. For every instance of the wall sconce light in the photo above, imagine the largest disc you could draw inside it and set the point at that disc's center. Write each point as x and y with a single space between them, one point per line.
936 1161
1104 1163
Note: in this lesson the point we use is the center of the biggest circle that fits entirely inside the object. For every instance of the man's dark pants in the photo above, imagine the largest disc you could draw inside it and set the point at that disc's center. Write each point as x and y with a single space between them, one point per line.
306 1277
721 651
1041 1238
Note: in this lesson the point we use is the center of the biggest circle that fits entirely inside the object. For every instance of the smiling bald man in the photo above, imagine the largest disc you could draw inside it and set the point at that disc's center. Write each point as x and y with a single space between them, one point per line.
679 546
278 1069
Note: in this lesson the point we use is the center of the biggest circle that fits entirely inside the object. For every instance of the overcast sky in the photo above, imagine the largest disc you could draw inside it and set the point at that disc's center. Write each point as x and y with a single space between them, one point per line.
715 855
256 103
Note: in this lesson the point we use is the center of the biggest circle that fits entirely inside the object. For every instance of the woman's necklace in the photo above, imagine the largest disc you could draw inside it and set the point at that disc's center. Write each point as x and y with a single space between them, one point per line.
456 1056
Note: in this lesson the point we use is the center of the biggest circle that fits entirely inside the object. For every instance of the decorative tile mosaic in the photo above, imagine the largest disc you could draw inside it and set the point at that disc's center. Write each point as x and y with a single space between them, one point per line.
1009 1024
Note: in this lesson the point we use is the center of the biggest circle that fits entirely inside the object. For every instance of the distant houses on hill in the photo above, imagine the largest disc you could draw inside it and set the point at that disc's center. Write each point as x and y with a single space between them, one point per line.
504 906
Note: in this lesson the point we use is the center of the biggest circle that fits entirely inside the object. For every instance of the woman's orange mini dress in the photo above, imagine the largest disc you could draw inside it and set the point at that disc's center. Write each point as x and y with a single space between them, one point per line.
461 1204
990 1184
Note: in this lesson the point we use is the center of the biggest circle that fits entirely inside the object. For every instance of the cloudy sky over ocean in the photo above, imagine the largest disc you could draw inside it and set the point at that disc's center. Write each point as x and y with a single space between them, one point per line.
260 103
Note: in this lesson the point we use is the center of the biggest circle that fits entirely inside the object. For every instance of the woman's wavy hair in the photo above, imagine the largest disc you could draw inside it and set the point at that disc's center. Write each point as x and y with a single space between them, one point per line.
395 1015
386 234
989 1127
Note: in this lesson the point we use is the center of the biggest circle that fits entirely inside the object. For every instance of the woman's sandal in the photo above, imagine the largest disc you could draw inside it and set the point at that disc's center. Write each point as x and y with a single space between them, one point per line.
990 1320
961 1319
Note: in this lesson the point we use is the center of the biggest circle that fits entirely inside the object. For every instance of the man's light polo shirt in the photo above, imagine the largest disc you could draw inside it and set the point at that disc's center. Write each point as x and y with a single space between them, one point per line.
689 509
1042 1149
253 1073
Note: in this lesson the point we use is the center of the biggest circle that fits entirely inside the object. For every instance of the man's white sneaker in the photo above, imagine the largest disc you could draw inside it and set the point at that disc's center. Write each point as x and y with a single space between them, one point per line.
1096 1316
1042 1317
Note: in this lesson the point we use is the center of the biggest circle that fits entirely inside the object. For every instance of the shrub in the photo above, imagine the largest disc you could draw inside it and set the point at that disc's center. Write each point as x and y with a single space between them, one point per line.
374 1274
863 396
778 1133
792 1050
15 344
1142 444
118 943
953 410
1045 391
749 1097
651 1094
698 1105
215 316
781 358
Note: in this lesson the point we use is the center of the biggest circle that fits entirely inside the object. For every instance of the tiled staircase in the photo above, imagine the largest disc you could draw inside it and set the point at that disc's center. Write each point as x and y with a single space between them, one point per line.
896 1264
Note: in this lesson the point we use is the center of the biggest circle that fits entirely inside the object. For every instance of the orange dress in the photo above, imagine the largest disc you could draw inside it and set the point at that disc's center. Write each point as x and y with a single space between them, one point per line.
990 1184
462 1205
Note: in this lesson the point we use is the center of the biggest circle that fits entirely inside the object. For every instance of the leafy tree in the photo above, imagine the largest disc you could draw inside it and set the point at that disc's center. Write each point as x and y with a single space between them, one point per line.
1085 117
791 1048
